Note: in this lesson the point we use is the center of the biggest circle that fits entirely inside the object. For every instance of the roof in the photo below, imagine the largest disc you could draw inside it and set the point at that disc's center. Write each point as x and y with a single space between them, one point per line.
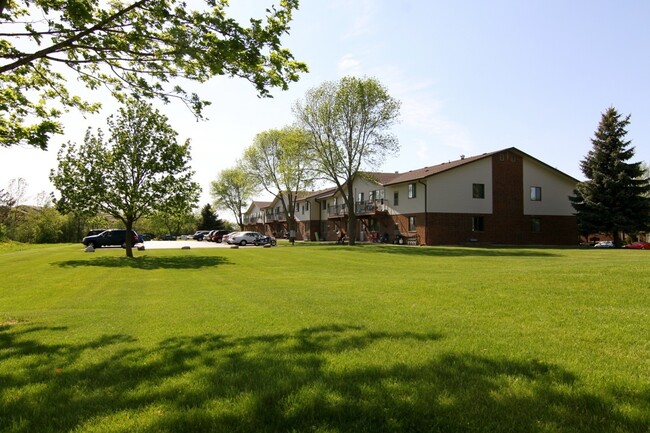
380 178
327 192
425 172
421 173
261 204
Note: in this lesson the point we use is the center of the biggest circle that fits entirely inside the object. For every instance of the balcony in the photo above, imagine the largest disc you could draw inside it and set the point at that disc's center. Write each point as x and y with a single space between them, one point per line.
278 216
371 207
337 211
253 219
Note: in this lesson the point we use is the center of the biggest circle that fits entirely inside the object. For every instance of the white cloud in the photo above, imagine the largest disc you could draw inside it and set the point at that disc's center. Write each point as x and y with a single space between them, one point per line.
349 65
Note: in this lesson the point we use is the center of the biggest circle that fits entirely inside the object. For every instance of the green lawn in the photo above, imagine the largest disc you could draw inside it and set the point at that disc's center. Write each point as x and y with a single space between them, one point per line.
324 338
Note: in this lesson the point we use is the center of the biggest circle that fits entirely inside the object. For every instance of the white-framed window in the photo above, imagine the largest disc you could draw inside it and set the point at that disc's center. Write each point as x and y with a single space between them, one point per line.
478 224
536 193
412 190
412 225
396 198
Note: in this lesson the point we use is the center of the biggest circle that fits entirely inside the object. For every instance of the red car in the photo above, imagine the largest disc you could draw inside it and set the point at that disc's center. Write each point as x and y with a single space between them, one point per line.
640 245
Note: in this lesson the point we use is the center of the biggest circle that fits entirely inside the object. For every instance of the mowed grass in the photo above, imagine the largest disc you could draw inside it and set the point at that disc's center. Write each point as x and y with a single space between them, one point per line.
324 338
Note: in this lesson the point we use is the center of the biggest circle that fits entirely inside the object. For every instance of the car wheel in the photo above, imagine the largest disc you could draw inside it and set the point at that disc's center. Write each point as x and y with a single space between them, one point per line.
92 245
219 241
274 242
243 243
124 245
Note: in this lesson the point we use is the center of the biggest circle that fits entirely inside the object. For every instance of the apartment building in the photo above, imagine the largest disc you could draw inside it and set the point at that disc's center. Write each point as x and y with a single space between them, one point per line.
505 197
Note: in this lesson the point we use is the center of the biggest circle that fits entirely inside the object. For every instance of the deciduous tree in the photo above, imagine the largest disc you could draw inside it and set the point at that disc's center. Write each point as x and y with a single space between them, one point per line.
136 47
279 162
140 169
232 190
614 198
349 122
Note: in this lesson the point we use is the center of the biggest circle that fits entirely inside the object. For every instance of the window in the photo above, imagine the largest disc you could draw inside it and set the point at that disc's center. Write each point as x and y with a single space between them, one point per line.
535 225
360 200
478 190
536 193
396 198
412 190
478 224
411 223
324 204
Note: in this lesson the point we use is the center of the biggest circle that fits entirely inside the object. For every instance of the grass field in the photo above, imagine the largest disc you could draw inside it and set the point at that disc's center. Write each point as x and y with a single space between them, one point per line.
324 338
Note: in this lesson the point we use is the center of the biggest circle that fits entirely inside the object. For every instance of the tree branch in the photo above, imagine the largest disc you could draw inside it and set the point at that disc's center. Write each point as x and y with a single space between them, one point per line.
66 43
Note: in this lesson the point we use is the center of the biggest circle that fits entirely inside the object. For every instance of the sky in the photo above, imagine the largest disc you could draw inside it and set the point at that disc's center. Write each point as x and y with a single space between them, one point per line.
472 76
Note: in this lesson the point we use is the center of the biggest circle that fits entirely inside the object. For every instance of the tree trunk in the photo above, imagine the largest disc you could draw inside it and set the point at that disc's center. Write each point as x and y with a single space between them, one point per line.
352 216
615 238
128 238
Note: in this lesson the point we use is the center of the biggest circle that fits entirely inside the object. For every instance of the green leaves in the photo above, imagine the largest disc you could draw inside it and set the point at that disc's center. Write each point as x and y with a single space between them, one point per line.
232 190
132 49
139 170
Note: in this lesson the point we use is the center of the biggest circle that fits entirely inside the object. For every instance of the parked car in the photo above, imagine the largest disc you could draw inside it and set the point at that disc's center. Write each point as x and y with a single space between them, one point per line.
111 237
227 236
198 236
244 238
604 244
640 245
208 236
217 235
168 237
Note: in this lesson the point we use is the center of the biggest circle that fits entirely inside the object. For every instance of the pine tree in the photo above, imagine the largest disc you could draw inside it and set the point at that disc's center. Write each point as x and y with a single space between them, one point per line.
614 199
209 219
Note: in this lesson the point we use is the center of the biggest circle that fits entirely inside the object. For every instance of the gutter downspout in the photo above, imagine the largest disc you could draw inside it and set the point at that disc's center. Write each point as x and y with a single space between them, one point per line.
320 218
426 213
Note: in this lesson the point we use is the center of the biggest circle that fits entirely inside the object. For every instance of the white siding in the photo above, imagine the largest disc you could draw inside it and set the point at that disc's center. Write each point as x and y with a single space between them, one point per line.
451 191
556 190
448 192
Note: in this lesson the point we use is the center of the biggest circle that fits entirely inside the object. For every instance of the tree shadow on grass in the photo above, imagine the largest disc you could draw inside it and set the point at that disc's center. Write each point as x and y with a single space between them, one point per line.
149 262
315 379
449 251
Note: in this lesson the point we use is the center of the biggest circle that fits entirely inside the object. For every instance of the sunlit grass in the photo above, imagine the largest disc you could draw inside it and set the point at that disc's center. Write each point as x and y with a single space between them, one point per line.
324 338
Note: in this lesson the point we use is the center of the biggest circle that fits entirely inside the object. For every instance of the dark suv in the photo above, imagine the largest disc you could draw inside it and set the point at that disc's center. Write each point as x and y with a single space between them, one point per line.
109 238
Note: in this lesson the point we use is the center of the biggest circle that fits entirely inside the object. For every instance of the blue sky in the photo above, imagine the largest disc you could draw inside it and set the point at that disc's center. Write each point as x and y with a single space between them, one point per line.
473 77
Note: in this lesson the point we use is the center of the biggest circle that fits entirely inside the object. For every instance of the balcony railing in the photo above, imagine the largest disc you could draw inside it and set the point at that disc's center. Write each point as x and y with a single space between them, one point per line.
338 210
368 207
279 216
371 207
258 219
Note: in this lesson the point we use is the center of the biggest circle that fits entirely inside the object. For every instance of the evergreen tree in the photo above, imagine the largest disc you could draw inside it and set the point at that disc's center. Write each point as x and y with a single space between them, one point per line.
614 199
209 219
